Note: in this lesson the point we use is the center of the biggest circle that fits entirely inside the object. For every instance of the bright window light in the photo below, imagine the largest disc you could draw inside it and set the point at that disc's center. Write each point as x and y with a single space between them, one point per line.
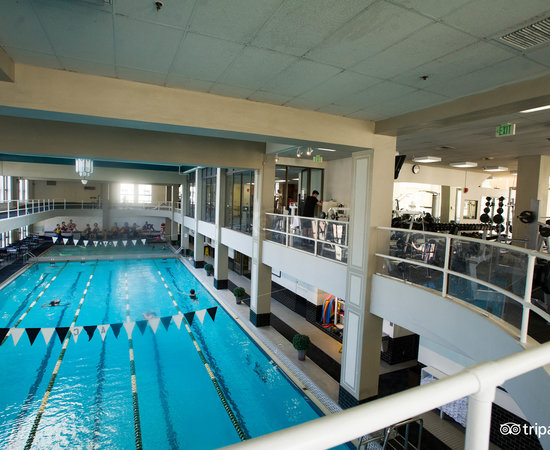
540 108
145 193
126 193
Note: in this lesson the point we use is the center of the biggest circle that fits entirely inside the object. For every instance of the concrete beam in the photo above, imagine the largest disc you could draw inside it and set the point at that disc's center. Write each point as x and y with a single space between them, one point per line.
504 100
7 67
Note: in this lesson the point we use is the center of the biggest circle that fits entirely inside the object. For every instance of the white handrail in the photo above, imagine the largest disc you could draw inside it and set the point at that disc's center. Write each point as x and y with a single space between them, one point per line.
479 382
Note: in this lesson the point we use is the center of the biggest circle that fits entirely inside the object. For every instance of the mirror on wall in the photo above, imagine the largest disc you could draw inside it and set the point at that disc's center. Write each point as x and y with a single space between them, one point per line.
470 209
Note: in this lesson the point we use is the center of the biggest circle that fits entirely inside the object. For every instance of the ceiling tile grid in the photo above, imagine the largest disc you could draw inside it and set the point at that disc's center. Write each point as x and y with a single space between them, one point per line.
85 66
32 58
141 76
173 13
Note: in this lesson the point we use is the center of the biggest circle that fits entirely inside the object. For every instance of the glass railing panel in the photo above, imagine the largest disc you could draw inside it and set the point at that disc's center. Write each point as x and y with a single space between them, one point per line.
416 246
487 299
332 231
273 236
332 251
503 267
412 273
302 243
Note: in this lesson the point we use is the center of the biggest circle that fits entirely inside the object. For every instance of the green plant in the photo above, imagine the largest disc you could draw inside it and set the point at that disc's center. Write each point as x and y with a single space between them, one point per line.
239 292
209 268
301 342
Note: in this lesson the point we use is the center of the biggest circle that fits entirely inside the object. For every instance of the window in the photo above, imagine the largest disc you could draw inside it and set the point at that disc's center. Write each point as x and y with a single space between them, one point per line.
23 190
191 195
239 200
145 193
209 194
23 232
5 188
126 193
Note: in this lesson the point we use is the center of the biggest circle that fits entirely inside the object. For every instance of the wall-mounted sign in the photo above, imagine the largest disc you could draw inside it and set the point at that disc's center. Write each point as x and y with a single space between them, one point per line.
507 129
318 158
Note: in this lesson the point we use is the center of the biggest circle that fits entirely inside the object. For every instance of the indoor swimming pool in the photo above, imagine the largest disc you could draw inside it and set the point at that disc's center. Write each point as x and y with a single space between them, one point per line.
204 384
107 248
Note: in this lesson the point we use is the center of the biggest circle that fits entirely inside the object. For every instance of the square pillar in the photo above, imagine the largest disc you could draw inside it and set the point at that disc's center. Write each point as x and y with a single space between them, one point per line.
220 254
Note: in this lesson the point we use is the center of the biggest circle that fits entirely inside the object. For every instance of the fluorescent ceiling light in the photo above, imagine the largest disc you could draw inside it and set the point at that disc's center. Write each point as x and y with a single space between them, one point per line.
463 164
495 169
326 149
427 159
540 108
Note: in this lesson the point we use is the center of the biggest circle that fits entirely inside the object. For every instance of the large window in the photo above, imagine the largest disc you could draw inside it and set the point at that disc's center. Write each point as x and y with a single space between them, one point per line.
126 193
5 188
23 190
209 194
145 193
239 200
191 195
293 185
5 238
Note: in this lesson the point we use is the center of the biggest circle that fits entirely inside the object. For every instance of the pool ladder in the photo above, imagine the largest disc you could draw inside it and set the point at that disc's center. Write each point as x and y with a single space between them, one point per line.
391 438
28 255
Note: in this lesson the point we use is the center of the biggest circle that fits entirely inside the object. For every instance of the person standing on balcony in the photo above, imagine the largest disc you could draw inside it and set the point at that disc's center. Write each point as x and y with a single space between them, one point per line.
309 211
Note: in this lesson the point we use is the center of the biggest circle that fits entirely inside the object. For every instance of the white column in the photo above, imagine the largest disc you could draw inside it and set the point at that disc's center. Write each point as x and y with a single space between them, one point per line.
184 230
371 205
220 250
198 250
260 290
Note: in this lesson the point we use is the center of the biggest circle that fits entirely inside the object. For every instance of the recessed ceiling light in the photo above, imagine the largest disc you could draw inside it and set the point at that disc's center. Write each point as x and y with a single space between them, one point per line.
489 158
463 164
495 169
445 147
326 149
427 159
540 108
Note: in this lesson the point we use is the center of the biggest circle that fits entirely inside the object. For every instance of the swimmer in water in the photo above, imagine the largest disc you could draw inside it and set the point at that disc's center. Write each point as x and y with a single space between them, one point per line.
56 302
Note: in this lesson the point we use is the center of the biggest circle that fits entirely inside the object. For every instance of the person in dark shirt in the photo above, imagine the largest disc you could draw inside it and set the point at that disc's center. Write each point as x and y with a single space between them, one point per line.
310 204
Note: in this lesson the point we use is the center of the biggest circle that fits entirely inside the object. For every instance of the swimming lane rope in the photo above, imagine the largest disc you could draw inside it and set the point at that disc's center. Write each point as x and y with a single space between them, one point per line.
226 405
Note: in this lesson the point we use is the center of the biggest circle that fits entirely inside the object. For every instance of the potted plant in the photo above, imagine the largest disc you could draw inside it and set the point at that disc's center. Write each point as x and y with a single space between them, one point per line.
301 343
209 269
239 293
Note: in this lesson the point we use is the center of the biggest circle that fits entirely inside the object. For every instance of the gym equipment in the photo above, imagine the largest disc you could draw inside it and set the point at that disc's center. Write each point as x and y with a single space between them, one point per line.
527 217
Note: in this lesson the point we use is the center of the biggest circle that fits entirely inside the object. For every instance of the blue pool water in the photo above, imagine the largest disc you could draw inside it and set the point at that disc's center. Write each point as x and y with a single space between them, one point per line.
90 403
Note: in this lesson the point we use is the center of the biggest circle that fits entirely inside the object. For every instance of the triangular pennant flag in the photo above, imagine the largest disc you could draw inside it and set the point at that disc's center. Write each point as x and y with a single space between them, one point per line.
200 314
62 332
116 328
124 243
143 241
115 243
75 242
177 320
3 333
154 323
75 331
166 321
90 329
134 241
54 239
95 243
189 317
65 240
85 243
47 333
105 243
141 324
32 333
212 311
16 334
129 327
103 330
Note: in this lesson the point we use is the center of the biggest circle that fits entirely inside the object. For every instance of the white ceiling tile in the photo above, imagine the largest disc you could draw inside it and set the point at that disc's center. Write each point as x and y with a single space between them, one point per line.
32 58
204 58
541 55
484 18
300 77
299 25
338 110
301 103
146 46
254 67
375 29
218 18
174 80
174 13
269 97
142 76
421 47
407 103
85 66
230 91
432 8
377 94
364 115
19 27
78 31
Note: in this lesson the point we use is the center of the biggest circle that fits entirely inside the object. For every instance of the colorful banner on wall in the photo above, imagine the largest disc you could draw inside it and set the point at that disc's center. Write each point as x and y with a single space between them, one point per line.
103 329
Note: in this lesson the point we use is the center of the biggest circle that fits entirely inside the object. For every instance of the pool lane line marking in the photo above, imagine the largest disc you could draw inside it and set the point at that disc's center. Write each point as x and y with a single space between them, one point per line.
32 304
42 407
242 435
135 403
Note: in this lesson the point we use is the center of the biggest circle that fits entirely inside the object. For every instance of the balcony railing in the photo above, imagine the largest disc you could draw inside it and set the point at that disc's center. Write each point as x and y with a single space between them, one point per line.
154 206
494 277
320 237
16 208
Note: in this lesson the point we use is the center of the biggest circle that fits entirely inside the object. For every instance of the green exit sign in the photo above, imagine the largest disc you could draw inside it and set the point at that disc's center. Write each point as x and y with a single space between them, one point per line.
507 129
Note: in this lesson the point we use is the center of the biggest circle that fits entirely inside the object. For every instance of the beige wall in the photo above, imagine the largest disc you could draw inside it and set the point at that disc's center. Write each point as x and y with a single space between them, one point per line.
72 191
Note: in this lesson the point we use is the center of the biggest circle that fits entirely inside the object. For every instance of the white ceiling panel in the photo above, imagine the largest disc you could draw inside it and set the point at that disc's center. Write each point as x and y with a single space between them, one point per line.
299 25
339 110
300 77
174 80
379 93
78 31
146 46
269 97
142 76
85 66
302 103
254 67
231 91
174 13
204 58
363 115
19 27
432 8
375 29
218 18
485 18
541 55
32 58
407 103
423 46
